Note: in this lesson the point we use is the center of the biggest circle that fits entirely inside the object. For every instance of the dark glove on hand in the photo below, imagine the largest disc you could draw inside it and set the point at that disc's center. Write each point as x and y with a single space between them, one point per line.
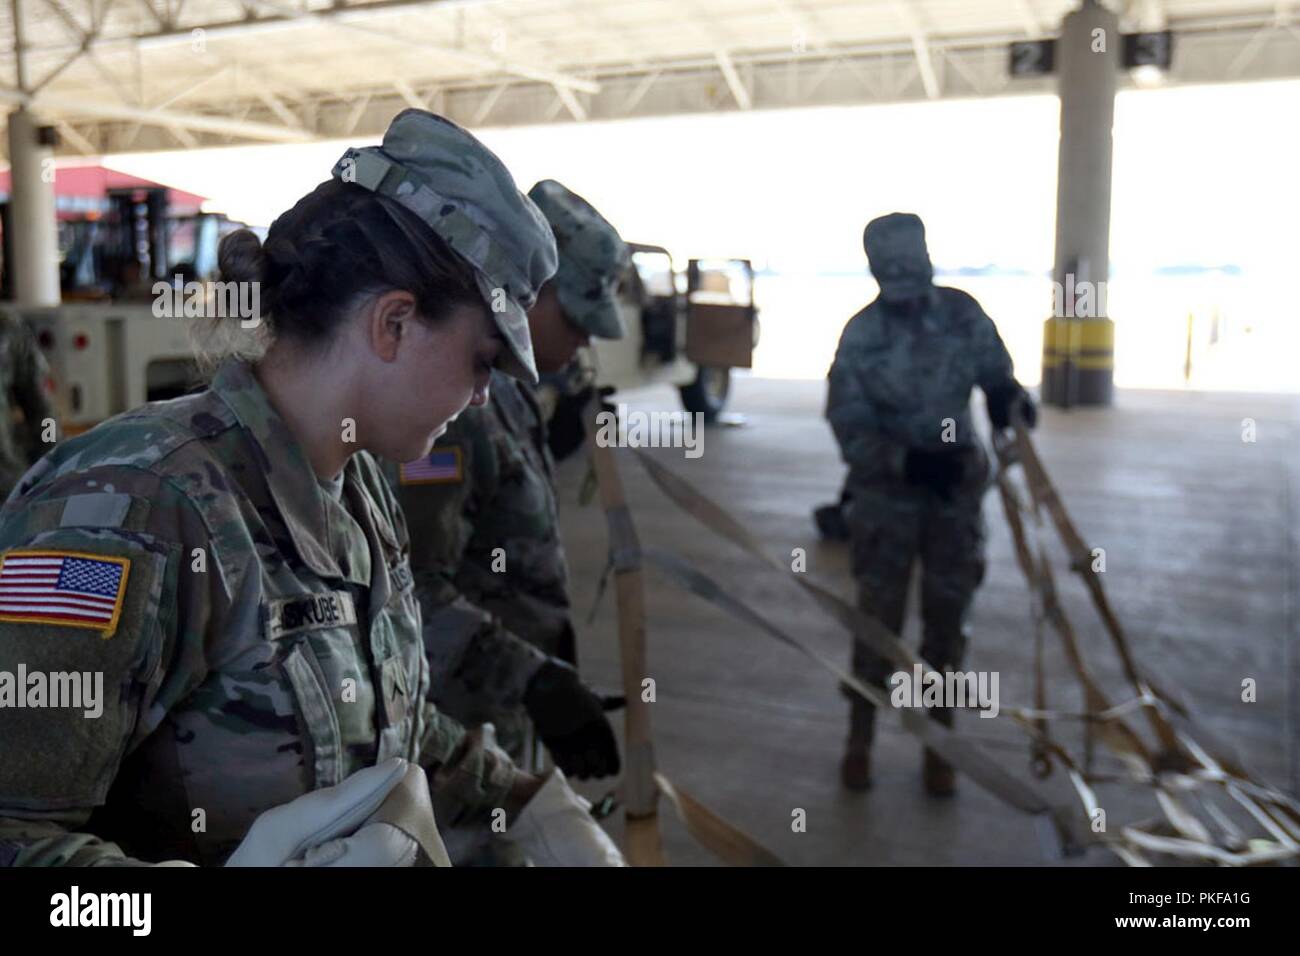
940 471
566 430
571 721
1028 410
1002 398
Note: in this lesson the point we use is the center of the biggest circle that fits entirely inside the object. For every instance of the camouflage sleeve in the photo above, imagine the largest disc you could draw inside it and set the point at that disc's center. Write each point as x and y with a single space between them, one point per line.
855 420
437 508
468 778
993 361
472 653
131 658
30 374
469 652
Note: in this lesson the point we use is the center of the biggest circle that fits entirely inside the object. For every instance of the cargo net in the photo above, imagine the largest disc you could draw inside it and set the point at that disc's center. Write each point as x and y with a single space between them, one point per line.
1213 811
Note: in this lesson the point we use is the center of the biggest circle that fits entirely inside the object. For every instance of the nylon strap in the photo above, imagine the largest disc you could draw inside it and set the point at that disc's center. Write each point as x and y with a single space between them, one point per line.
1187 761
950 744
1165 769
642 783
1187 758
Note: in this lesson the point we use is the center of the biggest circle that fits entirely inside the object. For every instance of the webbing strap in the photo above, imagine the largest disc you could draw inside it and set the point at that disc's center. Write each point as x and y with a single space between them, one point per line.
713 832
1185 764
1166 771
642 783
951 745
1045 498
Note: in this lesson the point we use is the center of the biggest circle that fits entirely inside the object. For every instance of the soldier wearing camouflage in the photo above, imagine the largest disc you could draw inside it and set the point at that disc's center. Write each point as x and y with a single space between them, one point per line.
424 164
256 626
593 259
488 562
486 553
898 403
23 374
236 612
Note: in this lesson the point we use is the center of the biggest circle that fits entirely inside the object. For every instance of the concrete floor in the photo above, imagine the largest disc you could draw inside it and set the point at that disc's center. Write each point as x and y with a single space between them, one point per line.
1201 536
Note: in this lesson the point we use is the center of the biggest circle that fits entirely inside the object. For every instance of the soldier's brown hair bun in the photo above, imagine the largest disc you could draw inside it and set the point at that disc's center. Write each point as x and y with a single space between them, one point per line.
240 257
337 246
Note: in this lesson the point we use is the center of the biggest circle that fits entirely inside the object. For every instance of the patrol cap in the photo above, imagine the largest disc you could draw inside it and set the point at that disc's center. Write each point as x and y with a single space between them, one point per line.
592 259
896 251
465 194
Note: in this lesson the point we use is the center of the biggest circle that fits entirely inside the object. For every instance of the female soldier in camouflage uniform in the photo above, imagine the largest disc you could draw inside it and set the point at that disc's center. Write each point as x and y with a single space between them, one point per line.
233 562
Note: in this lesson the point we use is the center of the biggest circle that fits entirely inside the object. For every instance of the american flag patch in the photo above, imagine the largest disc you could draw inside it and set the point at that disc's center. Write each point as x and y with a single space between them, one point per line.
439 466
63 587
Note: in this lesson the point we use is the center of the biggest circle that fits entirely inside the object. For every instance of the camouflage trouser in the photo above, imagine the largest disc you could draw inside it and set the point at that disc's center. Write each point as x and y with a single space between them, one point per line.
890 533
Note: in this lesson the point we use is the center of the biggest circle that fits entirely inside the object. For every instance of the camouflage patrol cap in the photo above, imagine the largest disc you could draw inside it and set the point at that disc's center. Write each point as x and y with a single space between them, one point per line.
897 254
459 187
592 259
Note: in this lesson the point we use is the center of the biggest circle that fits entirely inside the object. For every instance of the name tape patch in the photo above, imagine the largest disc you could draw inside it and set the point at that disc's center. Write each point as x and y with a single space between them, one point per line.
310 612
67 588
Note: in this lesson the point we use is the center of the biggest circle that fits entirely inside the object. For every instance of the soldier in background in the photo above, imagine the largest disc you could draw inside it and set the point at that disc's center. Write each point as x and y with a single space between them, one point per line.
23 375
899 404
486 553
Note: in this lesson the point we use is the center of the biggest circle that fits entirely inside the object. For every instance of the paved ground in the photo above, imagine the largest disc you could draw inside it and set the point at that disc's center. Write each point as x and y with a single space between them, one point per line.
1200 533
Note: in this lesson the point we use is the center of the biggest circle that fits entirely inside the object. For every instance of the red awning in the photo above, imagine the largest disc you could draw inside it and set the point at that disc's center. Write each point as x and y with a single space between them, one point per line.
80 190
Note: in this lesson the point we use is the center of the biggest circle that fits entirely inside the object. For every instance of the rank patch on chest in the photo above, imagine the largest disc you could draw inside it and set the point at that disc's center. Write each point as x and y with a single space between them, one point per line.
440 466
400 575
63 587
309 612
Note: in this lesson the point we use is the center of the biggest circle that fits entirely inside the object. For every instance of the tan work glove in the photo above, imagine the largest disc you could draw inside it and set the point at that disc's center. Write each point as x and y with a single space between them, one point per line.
380 816
555 828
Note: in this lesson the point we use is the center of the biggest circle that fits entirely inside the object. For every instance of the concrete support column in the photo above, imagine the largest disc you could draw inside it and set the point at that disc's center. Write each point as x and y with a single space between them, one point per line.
34 245
1078 341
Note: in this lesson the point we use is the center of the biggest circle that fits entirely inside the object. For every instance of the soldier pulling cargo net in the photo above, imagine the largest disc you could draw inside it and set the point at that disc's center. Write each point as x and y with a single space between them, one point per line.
1195 780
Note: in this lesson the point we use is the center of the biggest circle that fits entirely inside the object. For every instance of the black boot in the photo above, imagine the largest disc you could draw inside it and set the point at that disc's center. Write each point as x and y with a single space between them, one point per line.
939 777
855 768
830 523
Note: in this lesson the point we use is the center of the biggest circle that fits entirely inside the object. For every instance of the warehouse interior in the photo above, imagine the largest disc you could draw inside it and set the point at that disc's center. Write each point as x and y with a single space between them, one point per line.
1186 472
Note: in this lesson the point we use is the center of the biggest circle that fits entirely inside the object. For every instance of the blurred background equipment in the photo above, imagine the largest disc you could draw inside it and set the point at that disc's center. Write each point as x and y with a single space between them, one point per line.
602 95
118 235
686 329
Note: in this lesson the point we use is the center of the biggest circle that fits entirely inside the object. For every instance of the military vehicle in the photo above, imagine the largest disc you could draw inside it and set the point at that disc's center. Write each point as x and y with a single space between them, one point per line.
686 328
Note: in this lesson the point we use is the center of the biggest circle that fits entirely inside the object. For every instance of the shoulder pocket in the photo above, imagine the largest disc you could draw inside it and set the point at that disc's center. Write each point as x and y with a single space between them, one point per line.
83 629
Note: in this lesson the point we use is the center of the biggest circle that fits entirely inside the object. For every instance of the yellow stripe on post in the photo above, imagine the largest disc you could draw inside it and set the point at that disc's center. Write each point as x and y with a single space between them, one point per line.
1078 361
1075 335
